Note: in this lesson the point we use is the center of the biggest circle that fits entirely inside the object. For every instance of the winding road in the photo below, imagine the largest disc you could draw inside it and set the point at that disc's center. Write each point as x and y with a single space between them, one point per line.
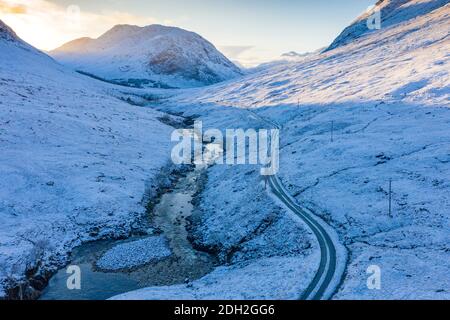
328 276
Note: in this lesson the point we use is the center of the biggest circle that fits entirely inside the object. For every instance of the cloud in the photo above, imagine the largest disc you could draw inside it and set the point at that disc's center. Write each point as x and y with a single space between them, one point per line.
234 52
7 7
47 25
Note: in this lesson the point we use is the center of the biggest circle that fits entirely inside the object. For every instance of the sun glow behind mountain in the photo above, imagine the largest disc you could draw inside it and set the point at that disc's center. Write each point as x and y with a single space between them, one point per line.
47 25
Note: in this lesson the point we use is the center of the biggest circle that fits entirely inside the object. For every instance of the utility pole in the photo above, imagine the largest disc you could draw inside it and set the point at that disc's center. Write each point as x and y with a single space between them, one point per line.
390 198
332 131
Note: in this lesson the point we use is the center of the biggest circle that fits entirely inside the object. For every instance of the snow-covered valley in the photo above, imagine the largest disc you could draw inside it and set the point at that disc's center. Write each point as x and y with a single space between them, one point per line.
354 119
80 160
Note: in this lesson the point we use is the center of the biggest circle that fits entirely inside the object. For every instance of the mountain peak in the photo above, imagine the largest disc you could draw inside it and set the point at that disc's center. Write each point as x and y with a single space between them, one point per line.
128 30
391 12
6 33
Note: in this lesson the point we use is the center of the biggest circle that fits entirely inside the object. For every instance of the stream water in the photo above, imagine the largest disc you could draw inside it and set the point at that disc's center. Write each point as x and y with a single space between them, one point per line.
185 264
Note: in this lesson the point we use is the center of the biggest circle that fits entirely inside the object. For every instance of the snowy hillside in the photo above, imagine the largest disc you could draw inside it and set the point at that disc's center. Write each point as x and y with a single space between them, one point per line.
391 12
152 56
263 251
75 163
403 61
353 119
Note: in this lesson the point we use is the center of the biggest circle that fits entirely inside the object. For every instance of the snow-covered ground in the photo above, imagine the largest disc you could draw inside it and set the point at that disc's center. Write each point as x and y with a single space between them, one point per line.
353 118
264 252
75 163
390 12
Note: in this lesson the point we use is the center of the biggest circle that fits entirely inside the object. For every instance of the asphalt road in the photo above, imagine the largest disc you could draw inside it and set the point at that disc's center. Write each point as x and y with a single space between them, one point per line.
326 277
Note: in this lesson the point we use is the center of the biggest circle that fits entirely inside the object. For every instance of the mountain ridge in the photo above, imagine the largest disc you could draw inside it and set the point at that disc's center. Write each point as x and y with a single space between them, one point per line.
149 56
391 12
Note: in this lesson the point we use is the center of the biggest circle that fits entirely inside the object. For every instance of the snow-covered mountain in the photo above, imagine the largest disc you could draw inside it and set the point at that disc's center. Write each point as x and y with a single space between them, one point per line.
6 33
152 56
390 12
75 162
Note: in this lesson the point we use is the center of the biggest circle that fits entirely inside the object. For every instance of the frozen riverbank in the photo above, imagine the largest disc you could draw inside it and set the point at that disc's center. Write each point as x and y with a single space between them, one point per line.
75 165
164 257
265 254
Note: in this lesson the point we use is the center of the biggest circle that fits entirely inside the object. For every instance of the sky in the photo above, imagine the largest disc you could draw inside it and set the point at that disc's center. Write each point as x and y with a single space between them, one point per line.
246 31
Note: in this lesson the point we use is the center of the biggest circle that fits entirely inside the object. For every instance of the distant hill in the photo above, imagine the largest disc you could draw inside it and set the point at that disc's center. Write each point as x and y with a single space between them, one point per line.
152 56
